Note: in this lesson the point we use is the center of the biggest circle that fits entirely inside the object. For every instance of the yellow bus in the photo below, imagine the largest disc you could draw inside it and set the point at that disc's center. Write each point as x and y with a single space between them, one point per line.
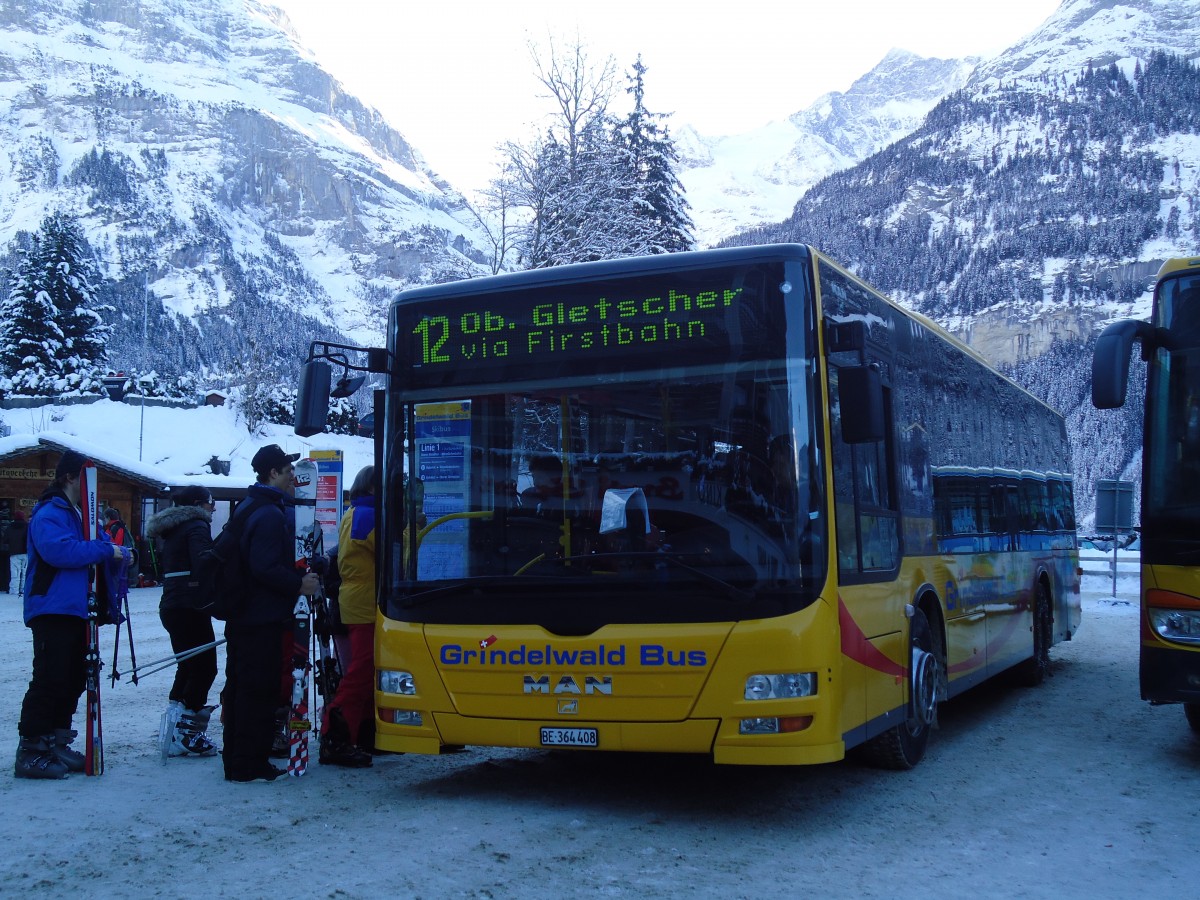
1169 662
731 502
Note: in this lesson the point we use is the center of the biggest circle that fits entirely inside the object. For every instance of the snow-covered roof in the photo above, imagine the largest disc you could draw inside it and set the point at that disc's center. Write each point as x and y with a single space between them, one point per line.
174 445
22 444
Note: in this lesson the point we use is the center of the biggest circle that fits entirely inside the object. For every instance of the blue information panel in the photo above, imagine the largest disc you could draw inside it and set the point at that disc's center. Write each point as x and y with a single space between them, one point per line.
443 433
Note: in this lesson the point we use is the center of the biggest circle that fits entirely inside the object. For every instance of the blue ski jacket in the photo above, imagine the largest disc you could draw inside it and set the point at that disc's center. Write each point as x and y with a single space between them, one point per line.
56 542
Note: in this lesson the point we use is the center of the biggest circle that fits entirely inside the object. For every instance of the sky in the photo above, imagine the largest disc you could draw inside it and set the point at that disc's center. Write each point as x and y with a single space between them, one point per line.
457 79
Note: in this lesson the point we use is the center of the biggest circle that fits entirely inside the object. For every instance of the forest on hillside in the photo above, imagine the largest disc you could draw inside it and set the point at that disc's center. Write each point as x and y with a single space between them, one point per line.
1025 198
966 212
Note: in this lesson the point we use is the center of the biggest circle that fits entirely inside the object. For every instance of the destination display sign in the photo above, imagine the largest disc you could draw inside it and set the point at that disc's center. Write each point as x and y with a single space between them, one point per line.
708 315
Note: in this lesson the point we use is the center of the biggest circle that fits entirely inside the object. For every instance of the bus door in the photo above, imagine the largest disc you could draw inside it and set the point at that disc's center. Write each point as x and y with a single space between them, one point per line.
866 511
1012 585
965 517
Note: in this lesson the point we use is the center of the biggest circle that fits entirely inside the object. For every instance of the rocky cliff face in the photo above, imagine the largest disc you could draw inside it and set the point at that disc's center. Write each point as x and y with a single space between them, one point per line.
1093 33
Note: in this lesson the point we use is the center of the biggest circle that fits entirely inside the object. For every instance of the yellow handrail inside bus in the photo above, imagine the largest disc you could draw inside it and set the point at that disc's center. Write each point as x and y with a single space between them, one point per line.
533 562
478 514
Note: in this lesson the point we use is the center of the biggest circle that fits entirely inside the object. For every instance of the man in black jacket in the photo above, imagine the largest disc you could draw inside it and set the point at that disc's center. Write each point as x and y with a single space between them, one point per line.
254 652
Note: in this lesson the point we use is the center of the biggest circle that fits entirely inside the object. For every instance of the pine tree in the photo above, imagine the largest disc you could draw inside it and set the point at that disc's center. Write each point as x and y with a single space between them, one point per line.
52 339
593 187
30 336
592 210
650 155
70 281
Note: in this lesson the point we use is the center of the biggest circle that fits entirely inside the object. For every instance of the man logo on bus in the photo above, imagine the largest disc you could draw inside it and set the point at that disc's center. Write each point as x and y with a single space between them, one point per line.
567 684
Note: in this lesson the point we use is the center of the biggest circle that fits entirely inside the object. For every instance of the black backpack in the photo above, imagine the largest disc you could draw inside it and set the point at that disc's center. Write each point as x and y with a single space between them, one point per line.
220 571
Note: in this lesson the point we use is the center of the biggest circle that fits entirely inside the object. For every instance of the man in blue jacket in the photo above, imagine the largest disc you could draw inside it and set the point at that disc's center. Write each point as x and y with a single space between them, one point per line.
56 596
254 648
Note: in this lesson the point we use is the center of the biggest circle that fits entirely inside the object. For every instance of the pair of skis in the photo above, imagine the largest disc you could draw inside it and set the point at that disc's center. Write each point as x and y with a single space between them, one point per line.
93 757
309 545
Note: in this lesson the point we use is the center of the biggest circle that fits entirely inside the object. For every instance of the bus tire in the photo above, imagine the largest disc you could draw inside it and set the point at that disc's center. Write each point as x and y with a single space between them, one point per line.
1036 669
1192 711
903 746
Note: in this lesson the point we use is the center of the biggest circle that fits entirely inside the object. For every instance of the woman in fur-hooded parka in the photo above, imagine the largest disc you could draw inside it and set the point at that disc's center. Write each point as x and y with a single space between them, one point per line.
185 531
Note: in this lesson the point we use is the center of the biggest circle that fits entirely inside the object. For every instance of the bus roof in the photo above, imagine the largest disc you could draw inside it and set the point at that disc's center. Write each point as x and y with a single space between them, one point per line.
675 262
940 331
1180 263
609 268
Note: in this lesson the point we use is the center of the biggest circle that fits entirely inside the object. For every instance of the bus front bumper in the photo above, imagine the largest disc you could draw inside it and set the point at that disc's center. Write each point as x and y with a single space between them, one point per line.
706 736
1170 675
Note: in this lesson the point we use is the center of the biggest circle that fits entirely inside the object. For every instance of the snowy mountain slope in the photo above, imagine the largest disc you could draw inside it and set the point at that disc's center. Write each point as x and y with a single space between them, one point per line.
1035 205
226 182
738 181
1094 33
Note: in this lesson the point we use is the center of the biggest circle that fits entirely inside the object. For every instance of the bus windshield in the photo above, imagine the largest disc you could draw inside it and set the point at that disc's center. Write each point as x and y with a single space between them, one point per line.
656 487
1172 477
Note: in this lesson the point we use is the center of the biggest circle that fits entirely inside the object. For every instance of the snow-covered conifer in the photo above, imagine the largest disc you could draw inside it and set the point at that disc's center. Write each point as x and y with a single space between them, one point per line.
659 205
594 187
52 339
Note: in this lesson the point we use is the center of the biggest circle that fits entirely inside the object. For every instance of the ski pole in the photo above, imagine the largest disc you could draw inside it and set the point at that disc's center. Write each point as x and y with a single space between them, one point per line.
179 657
129 630
116 646
168 661
153 560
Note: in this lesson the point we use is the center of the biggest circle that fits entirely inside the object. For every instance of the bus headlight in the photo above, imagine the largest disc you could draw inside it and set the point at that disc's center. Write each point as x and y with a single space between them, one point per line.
1182 625
781 687
393 682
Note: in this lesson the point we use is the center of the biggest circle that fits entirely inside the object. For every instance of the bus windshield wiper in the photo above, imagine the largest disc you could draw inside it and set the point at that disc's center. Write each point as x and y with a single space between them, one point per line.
731 591
422 597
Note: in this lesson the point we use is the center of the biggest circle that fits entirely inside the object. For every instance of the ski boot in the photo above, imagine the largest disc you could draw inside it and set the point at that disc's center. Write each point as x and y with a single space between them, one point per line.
36 759
189 738
168 730
280 745
70 758
337 748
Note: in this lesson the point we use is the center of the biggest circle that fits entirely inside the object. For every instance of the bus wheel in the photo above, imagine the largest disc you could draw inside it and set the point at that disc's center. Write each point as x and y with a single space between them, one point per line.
903 746
1036 669
1192 711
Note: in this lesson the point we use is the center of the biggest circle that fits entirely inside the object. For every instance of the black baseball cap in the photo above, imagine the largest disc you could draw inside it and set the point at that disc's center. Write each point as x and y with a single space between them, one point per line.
70 463
271 457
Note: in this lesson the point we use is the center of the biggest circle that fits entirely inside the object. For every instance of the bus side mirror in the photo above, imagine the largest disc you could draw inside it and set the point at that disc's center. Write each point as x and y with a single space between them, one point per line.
860 396
347 386
312 404
1110 362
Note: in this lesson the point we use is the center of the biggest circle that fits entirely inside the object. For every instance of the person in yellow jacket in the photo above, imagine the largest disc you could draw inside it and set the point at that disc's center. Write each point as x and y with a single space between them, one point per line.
355 698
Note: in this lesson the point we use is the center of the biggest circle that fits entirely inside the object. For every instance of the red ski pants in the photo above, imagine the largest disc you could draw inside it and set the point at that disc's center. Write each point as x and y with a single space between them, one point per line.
355 695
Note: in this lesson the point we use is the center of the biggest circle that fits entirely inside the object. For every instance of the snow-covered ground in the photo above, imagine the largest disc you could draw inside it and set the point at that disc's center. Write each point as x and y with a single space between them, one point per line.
1074 789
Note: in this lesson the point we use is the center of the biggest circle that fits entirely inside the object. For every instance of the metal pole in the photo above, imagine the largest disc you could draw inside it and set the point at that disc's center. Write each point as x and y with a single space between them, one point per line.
167 661
1114 563
142 388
